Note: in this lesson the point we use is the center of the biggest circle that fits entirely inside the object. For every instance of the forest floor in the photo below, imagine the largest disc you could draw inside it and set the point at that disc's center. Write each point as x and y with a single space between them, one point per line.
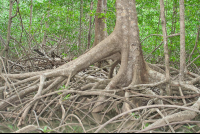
68 107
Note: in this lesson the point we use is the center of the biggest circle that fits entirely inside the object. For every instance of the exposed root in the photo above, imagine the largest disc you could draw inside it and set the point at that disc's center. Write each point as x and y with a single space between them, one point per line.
93 91
180 116
42 79
27 129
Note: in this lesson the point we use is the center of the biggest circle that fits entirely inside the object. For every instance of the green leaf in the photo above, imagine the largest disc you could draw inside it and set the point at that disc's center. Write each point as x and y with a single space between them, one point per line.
74 58
45 128
10 126
146 125
136 116
190 127
67 97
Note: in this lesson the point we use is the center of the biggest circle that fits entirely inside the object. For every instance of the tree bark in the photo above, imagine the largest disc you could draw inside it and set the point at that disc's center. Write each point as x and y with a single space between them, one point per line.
90 25
6 48
182 40
100 22
100 25
162 11
80 28
8 32
173 27
133 69
30 24
45 33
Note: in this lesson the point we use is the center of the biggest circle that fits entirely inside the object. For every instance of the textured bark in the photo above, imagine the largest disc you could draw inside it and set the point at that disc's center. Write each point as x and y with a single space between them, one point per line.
164 30
6 48
30 24
8 32
9 27
100 25
80 25
173 27
174 17
182 40
133 68
196 43
100 22
45 34
27 129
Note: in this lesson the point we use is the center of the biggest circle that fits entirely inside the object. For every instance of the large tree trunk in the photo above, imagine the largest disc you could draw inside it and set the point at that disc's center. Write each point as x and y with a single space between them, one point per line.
133 69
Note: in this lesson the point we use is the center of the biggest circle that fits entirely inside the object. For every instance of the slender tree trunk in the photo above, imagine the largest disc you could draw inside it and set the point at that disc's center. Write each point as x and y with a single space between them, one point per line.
31 14
173 28
30 24
182 40
162 9
90 25
8 32
80 30
157 38
100 25
6 48
45 33
100 22
196 43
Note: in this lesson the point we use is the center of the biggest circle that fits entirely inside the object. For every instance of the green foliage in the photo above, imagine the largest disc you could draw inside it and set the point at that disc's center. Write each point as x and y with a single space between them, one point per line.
61 19
46 130
150 23
10 126
190 126
64 88
66 97
64 54
135 115
146 125
74 58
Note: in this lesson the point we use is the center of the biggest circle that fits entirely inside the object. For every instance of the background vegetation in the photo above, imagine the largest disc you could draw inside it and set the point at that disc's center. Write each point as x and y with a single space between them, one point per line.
63 20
